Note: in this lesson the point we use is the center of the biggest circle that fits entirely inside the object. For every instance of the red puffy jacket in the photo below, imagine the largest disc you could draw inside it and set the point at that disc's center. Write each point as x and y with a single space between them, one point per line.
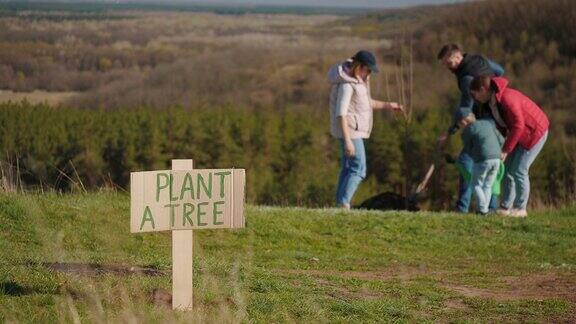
526 123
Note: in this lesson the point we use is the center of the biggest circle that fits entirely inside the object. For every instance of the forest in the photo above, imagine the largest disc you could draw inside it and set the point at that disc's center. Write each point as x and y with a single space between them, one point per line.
247 91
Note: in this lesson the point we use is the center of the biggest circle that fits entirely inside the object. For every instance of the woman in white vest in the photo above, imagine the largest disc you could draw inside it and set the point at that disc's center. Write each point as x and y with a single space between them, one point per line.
351 118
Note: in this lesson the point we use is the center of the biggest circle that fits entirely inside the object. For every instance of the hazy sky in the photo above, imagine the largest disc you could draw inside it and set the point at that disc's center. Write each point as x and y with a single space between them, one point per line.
332 3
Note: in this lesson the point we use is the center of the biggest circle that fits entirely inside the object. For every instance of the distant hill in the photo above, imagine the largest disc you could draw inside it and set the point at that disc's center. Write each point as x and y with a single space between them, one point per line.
100 7
371 4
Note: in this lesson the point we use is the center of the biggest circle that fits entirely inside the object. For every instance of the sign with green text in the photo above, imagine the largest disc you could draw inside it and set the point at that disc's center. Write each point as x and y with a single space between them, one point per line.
192 199
181 200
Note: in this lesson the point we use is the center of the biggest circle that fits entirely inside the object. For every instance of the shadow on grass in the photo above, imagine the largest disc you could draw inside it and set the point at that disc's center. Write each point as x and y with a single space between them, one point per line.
12 288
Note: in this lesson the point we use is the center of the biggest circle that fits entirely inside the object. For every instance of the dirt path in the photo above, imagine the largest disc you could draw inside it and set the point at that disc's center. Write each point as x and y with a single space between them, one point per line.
93 269
538 286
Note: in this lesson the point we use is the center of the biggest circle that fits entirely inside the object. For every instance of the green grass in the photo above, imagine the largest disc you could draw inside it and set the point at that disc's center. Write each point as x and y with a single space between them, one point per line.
289 264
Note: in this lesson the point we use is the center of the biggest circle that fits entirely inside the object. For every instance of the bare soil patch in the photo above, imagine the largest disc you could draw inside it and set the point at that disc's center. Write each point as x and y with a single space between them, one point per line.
94 269
533 286
538 286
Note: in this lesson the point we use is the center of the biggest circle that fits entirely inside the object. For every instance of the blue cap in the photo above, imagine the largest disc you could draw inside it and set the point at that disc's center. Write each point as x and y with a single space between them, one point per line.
367 59
462 113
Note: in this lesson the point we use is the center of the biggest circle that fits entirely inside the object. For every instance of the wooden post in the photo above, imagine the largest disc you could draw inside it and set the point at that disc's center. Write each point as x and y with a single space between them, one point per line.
165 200
182 257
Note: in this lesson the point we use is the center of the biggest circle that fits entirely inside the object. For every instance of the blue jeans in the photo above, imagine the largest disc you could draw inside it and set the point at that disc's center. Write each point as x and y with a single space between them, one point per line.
483 177
516 180
465 189
352 173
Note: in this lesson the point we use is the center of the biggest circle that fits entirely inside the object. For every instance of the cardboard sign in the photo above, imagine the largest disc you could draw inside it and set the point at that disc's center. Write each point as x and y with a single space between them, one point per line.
181 200
191 199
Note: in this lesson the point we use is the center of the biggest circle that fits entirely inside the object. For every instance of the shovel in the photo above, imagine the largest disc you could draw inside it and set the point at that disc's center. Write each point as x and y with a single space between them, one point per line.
415 196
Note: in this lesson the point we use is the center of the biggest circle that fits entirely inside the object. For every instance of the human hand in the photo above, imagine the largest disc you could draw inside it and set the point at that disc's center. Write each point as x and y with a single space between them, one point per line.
349 149
503 156
396 107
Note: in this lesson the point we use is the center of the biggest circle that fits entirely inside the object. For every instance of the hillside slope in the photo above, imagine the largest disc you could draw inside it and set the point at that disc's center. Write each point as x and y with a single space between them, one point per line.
72 256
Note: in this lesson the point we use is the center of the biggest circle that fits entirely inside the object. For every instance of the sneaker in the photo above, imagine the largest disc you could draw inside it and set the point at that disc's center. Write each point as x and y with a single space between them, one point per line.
518 213
503 212
345 206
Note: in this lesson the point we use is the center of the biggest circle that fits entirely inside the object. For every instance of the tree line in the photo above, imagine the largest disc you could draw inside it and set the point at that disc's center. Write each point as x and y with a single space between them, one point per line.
289 156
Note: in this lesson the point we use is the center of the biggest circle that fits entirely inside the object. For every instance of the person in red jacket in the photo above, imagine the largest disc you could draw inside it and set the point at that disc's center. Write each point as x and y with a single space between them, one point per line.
525 126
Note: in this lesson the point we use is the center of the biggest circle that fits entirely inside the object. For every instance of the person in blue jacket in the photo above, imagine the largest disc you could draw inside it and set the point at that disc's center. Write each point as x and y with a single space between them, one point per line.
466 67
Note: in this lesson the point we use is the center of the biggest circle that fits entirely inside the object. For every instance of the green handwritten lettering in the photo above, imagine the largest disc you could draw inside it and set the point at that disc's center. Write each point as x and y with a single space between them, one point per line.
172 216
172 198
201 183
187 186
201 213
187 214
159 187
147 217
222 175
216 212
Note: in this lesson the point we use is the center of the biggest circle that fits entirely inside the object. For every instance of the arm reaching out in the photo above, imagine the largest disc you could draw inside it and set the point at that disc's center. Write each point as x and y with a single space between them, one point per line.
496 68
466 102
381 105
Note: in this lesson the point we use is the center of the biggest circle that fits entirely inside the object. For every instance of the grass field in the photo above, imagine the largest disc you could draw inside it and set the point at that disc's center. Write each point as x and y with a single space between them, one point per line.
72 258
